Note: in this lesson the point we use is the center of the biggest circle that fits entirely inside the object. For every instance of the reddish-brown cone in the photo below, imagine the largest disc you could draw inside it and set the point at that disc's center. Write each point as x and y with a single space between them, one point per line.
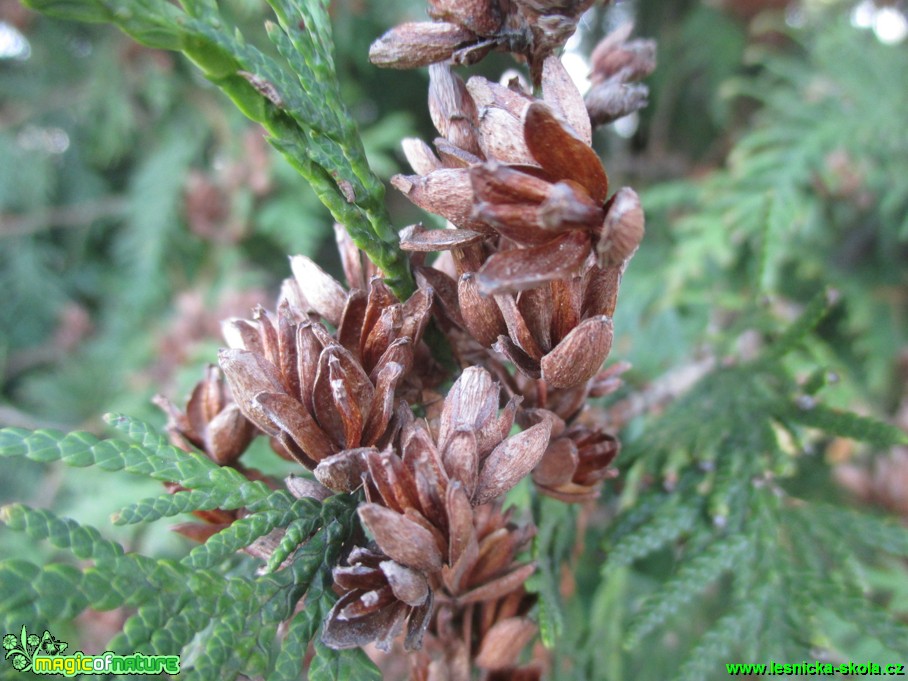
318 393
428 509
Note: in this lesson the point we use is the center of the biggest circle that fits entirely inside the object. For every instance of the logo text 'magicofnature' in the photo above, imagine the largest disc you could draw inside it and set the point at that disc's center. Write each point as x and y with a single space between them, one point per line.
106 663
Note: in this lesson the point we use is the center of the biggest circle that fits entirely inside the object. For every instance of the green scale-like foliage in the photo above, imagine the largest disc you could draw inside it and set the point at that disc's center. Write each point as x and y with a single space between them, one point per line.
774 567
297 101
208 590
813 191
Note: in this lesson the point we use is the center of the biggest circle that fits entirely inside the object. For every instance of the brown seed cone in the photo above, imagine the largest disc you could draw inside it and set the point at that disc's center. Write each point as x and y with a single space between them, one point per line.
617 63
487 626
427 501
212 421
380 599
575 464
541 292
468 30
318 393
580 453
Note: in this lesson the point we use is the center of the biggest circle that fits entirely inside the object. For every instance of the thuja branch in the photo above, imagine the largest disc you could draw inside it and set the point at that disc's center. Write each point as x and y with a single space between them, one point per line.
296 100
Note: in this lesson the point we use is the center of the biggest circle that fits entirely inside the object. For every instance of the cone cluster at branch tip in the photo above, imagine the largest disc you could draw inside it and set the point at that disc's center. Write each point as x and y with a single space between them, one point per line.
524 291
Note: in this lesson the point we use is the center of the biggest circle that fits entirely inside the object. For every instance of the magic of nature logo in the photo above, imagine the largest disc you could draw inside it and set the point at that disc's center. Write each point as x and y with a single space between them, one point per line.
44 655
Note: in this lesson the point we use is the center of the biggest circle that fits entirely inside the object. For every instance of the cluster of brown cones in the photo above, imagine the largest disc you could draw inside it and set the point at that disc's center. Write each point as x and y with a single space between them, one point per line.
524 291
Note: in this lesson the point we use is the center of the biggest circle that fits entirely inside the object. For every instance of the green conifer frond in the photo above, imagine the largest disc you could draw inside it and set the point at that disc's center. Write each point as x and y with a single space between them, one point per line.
799 331
83 542
693 576
662 530
551 548
866 530
165 462
175 601
715 647
243 532
296 532
298 101
288 665
867 618
188 501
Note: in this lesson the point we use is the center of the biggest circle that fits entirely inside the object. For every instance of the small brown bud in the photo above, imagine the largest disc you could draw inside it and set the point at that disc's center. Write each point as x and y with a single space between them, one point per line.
615 56
610 101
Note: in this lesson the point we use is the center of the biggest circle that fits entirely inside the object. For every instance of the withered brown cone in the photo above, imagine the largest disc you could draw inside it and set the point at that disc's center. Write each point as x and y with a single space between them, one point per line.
576 463
556 212
315 392
580 452
381 598
427 507
213 424
617 65
212 421
539 255
560 331
490 626
466 30
523 170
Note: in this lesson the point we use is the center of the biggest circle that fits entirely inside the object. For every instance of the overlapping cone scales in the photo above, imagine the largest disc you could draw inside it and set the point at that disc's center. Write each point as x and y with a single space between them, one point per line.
575 464
382 598
540 251
428 508
316 393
